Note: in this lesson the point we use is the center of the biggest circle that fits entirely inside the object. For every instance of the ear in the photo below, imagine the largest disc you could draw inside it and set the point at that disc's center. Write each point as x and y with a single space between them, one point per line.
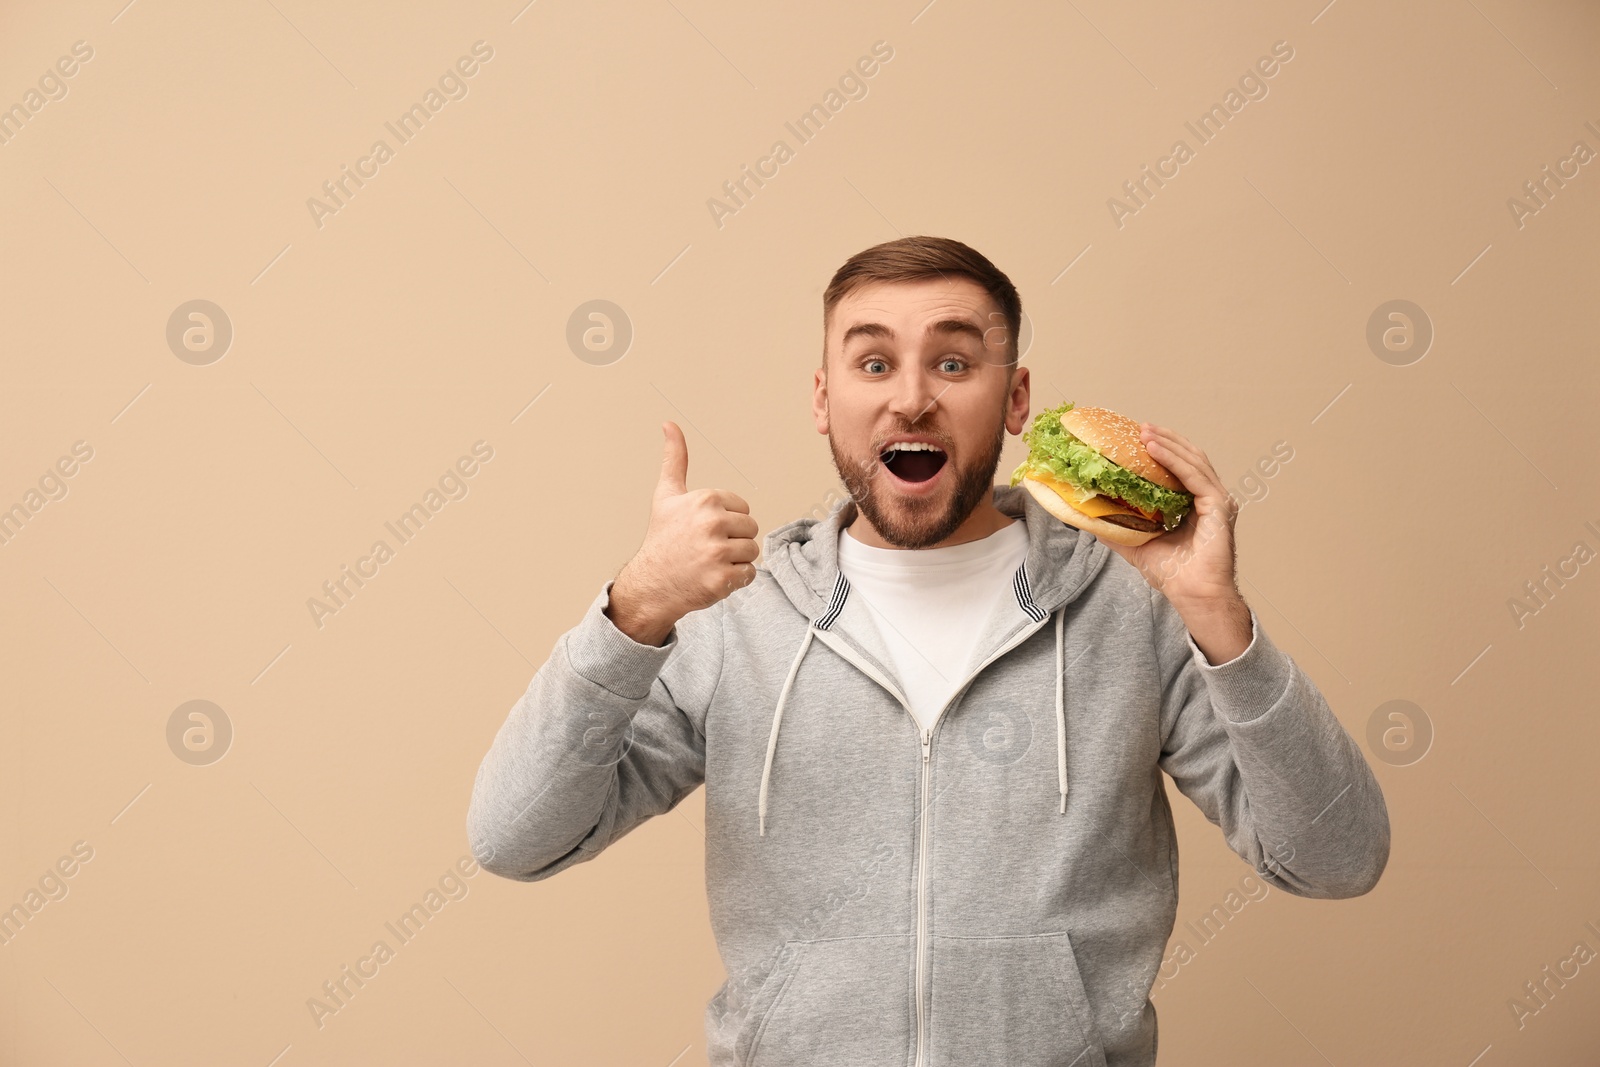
819 399
1017 402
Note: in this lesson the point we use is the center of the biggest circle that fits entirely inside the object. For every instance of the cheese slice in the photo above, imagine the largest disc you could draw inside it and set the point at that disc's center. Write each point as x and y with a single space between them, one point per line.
1087 501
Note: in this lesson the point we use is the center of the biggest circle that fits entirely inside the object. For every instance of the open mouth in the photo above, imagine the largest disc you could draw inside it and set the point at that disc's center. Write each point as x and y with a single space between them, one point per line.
913 461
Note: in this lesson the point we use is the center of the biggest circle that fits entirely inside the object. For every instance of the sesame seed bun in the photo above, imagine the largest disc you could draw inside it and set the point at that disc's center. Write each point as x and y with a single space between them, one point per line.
1116 437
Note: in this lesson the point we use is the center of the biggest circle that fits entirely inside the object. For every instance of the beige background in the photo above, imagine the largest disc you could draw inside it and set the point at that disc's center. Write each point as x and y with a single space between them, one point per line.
431 311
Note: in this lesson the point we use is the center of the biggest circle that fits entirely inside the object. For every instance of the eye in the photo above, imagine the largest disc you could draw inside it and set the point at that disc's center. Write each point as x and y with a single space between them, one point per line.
874 361
959 364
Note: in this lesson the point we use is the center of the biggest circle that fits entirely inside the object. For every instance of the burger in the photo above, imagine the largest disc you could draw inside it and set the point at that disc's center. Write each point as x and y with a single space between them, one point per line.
1088 468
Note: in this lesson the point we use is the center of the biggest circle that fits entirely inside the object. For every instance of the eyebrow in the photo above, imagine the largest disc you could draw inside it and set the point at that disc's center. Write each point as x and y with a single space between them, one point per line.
942 327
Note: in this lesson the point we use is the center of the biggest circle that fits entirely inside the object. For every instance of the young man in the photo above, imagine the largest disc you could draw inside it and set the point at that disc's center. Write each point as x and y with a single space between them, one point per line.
931 726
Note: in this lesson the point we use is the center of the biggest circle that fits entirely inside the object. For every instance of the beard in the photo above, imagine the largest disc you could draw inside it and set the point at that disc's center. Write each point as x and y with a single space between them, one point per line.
919 522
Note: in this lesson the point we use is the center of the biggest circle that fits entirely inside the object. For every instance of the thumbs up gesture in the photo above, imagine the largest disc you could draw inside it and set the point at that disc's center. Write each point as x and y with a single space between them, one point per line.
699 547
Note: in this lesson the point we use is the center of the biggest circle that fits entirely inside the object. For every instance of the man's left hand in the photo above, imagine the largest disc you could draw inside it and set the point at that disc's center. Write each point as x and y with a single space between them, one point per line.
1194 564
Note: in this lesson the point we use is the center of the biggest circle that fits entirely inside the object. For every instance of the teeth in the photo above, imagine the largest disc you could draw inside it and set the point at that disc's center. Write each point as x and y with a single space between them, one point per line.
912 446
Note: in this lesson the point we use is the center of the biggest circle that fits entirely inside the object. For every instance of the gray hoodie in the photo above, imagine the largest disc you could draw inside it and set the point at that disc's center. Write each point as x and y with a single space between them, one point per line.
996 890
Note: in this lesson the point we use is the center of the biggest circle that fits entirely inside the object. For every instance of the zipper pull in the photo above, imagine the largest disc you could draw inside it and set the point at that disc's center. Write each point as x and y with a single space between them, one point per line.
927 740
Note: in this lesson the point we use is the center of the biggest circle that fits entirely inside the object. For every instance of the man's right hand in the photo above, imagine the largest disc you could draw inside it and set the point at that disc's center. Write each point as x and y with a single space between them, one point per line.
699 548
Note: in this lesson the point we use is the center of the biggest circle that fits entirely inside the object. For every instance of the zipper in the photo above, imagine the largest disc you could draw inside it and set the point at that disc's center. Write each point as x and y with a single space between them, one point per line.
843 648
922 876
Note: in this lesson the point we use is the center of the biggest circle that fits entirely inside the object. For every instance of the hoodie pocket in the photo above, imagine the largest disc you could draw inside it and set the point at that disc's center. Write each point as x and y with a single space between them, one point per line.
1015 1000
841 1001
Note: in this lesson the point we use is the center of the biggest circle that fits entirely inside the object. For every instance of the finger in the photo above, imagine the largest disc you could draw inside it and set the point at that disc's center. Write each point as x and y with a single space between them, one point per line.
734 524
1200 482
1196 473
730 501
1179 443
674 460
742 550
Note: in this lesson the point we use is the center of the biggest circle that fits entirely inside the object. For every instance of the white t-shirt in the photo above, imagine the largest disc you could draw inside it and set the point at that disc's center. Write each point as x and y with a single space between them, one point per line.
930 605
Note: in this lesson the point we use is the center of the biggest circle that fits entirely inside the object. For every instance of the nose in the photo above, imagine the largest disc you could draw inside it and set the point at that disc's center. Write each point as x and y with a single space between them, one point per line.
916 394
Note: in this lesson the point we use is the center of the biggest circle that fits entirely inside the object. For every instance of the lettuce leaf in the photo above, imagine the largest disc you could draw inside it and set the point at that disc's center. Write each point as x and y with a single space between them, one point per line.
1054 451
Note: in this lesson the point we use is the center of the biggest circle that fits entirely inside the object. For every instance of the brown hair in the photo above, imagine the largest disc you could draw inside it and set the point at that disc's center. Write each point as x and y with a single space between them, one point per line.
914 258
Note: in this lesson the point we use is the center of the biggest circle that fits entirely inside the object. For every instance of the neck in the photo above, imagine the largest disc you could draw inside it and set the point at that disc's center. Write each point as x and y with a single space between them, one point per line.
984 520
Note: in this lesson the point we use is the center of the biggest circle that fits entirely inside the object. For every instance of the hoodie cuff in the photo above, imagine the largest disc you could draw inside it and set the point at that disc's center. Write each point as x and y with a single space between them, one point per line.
1250 684
611 659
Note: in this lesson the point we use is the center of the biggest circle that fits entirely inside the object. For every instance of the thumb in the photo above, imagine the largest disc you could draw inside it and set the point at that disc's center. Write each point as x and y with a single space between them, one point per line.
674 461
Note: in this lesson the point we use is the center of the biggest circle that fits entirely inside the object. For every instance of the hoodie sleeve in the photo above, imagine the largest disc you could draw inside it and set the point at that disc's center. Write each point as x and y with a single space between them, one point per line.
609 733
1253 743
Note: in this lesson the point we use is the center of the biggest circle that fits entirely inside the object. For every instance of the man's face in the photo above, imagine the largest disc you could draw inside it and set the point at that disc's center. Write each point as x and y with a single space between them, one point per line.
921 363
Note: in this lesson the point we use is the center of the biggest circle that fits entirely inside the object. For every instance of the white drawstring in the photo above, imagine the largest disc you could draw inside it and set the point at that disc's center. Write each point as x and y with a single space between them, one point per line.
1061 711
777 717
